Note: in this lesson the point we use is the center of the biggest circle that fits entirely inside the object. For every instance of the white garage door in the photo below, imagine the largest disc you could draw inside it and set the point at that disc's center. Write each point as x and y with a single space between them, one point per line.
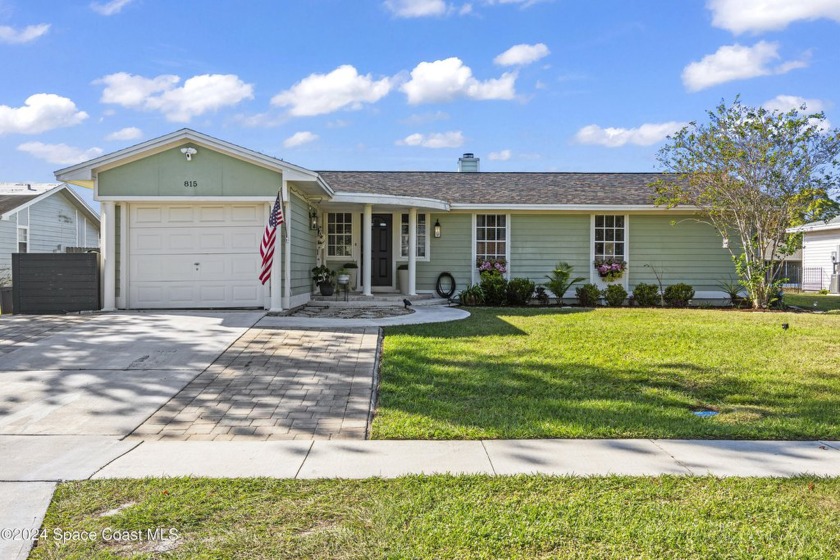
195 256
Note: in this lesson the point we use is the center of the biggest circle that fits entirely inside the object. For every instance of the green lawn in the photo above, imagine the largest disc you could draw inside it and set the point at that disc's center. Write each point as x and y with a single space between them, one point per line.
576 373
452 517
808 301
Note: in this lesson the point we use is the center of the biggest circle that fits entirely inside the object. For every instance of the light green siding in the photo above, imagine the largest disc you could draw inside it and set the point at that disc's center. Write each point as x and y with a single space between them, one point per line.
304 247
164 174
686 251
539 241
451 253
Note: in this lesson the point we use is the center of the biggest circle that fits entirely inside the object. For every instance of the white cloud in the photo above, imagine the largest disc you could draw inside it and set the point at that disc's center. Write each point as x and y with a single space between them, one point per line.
445 80
425 118
343 88
41 112
739 16
502 155
109 8
452 139
128 133
13 36
198 95
60 154
784 103
299 139
416 8
520 55
737 62
645 135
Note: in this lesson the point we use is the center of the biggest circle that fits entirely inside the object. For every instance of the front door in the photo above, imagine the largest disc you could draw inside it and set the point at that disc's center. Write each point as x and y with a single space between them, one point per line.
382 251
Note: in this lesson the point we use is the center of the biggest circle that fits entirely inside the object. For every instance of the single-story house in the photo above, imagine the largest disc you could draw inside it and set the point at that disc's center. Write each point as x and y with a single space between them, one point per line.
42 218
183 215
820 253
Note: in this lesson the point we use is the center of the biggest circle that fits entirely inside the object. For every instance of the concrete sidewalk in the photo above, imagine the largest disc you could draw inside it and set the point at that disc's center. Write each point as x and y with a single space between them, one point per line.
26 487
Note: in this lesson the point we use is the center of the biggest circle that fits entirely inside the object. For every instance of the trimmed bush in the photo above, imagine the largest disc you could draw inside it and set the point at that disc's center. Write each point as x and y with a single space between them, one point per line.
646 295
494 286
520 291
588 295
471 295
678 295
614 295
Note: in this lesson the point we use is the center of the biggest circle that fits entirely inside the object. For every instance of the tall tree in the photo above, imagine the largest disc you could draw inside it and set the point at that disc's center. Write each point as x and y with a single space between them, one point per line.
752 173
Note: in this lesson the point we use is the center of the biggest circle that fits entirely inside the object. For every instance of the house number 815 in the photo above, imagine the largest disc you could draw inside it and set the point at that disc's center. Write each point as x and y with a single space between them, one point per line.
191 184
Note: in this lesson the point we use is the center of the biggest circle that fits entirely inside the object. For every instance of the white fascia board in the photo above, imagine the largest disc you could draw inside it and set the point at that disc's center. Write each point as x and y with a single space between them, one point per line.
85 171
164 199
815 226
390 200
571 207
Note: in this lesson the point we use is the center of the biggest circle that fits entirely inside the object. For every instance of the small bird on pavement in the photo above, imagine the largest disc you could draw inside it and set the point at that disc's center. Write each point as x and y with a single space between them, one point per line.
406 303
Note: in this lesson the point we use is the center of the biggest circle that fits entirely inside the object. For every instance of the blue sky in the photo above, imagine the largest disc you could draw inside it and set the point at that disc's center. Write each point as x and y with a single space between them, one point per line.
527 85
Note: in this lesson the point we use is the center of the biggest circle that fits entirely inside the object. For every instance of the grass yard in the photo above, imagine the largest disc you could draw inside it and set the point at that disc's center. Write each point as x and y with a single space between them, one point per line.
451 517
813 301
612 373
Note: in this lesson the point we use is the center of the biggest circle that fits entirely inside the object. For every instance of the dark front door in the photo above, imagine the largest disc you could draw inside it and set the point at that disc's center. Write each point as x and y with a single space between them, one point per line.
381 251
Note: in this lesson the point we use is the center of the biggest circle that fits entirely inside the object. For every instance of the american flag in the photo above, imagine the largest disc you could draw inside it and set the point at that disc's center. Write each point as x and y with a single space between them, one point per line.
269 239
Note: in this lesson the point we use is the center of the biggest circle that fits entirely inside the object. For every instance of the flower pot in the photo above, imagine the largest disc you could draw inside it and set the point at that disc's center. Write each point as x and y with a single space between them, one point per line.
326 289
343 279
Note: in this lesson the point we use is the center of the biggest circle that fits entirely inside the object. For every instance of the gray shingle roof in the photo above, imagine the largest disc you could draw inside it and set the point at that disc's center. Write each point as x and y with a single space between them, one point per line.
501 188
11 201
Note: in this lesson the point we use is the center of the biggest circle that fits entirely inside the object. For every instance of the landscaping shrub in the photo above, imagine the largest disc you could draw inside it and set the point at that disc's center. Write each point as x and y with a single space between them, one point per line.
494 286
588 295
560 280
520 291
678 295
646 295
614 295
472 295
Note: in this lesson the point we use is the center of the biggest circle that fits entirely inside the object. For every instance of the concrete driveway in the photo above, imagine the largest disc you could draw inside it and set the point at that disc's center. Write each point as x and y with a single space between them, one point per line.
104 374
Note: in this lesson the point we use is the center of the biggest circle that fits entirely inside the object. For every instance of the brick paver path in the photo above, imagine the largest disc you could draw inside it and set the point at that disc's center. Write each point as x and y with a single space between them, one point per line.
276 384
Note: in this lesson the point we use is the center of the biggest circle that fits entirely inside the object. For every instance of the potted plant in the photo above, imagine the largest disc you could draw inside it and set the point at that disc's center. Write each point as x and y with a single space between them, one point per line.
343 278
402 276
352 269
324 278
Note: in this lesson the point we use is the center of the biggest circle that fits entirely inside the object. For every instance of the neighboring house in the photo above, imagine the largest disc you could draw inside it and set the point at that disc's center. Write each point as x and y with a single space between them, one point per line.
820 253
42 218
183 216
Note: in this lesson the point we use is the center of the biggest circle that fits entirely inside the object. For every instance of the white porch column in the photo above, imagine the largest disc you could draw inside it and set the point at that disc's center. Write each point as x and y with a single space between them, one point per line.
287 247
276 268
412 251
109 238
367 232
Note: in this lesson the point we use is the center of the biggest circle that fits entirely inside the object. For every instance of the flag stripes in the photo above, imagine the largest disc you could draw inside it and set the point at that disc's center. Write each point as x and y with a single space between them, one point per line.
269 239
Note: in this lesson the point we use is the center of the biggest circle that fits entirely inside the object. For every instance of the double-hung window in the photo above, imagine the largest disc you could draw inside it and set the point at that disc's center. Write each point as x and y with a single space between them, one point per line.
491 237
23 239
422 237
609 238
339 234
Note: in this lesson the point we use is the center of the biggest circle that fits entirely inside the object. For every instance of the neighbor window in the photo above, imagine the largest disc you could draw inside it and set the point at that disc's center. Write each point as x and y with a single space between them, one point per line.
422 238
609 237
339 234
23 239
491 237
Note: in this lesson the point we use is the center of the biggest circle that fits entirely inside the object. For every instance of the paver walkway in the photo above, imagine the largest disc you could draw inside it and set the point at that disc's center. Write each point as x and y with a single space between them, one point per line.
276 384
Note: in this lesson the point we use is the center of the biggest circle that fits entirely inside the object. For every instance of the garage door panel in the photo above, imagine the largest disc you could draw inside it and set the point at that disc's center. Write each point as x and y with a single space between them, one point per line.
166 242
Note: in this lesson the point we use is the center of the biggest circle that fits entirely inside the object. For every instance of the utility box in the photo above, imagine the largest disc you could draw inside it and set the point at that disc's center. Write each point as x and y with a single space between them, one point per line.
834 286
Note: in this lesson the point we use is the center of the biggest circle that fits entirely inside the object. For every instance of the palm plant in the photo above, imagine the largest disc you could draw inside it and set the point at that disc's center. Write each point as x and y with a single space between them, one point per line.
561 280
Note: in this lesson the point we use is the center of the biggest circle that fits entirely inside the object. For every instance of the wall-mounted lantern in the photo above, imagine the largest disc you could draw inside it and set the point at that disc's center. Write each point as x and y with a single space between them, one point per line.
313 219
437 228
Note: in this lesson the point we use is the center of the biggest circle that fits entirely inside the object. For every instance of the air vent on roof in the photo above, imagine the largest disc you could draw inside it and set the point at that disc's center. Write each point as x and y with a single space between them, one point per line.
468 163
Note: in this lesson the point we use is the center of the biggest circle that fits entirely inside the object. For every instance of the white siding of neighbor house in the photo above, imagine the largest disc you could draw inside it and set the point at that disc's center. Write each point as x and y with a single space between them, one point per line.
54 225
817 247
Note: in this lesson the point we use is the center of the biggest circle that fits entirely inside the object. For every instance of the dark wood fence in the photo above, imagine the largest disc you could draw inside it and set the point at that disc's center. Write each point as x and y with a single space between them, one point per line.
44 283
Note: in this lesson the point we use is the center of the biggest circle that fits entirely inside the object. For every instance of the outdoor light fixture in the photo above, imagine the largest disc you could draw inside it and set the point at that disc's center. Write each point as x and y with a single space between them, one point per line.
189 152
726 243
437 228
313 219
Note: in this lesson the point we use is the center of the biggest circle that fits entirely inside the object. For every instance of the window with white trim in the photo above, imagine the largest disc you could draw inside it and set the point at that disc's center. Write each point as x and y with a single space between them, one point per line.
339 234
422 237
491 237
609 237
23 239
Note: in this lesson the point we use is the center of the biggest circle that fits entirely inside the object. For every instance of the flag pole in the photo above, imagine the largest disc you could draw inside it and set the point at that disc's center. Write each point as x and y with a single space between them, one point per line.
283 206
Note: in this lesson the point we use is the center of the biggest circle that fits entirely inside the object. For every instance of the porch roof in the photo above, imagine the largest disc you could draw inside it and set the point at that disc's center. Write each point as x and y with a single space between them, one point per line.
550 189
